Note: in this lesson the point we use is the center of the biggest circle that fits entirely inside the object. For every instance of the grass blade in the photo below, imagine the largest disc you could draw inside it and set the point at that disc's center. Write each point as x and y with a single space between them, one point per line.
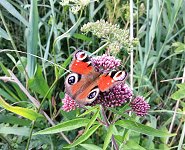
13 11
3 34
32 38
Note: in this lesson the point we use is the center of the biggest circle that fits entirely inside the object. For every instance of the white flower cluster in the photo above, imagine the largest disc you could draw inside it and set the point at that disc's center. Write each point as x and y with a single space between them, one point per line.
76 5
116 37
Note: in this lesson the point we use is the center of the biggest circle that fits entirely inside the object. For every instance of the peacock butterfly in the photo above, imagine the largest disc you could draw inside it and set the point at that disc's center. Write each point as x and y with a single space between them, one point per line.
84 83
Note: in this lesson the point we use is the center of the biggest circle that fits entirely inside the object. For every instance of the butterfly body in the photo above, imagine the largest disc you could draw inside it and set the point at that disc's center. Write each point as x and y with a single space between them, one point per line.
84 83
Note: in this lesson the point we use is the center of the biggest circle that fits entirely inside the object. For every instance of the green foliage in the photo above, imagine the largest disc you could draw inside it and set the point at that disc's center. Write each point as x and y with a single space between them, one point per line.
27 113
179 94
38 84
37 40
84 136
65 126
142 128
108 137
32 38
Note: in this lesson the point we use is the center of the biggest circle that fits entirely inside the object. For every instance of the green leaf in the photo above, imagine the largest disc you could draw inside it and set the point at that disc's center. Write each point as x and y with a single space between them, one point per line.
27 113
137 127
108 137
91 147
4 69
119 113
181 86
23 131
65 126
32 38
14 120
89 111
132 145
3 34
20 64
180 47
38 83
82 37
83 137
9 7
180 94
7 96
93 119
11 57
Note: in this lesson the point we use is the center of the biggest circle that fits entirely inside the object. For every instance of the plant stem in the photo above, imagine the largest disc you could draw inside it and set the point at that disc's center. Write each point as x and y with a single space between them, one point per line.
131 49
107 125
104 45
30 135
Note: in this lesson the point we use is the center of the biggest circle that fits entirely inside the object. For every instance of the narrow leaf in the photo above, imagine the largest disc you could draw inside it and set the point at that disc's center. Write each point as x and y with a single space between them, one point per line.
9 7
83 137
7 96
38 83
32 39
89 111
119 113
180 94
82 37
14 120
23 131
108 137
27 113
91 147
65 126
131 144
181 86
93 119
137 127
3 34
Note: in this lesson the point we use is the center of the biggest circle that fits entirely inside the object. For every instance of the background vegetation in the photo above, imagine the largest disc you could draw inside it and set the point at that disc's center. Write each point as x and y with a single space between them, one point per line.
37 39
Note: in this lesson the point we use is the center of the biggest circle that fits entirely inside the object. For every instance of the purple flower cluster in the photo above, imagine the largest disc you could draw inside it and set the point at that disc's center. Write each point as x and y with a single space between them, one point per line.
116 96
140 106
68 103
105 63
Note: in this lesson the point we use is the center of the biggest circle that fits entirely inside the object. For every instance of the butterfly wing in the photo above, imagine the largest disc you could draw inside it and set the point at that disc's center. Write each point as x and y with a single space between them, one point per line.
106 81
80 84
81 63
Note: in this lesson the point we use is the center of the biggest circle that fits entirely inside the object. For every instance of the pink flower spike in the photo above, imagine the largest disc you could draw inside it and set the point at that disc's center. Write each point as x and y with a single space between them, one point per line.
116 96
105 63
68 103
140 106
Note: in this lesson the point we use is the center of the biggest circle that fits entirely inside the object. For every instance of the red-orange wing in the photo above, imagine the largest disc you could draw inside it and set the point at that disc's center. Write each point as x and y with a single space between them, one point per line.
81 67
105 82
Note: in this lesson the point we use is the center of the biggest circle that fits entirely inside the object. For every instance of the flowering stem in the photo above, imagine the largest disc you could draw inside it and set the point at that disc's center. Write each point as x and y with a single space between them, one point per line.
107 125
131 50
